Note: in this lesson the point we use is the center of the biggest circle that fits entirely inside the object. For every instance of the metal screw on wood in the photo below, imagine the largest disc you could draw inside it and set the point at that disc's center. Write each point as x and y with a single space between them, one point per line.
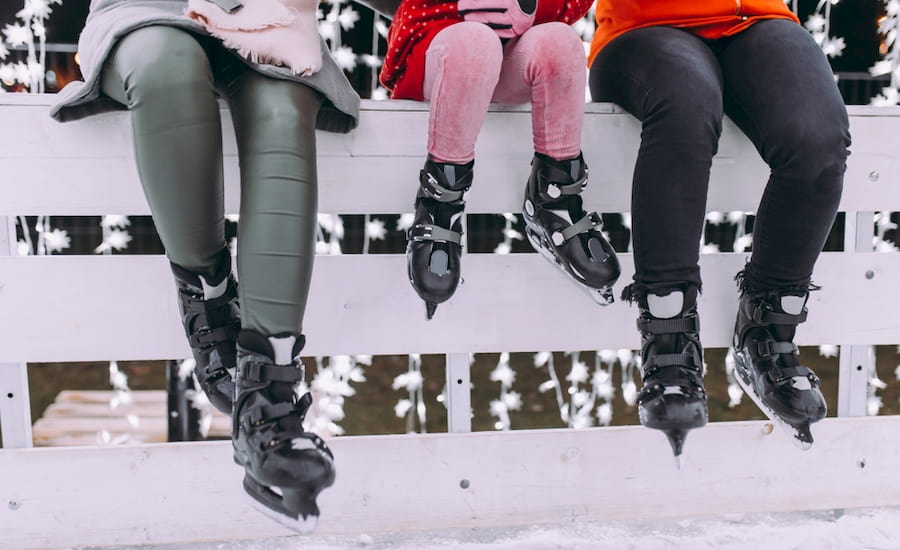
861 463
874 175
464 484
14 505
870 274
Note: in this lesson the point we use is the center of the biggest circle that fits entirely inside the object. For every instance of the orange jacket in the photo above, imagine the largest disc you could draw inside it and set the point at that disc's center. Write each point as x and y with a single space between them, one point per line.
706 18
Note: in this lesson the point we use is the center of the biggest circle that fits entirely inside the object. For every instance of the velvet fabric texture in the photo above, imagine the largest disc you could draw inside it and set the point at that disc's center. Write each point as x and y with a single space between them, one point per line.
467 67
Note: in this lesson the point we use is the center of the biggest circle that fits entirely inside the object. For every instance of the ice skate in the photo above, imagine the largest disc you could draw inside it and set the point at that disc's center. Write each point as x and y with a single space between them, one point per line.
766 362
285 466
672 398
434 242
558 227
209 313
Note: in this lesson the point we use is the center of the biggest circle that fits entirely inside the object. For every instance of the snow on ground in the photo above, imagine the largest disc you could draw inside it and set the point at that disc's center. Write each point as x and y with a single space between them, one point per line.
859 529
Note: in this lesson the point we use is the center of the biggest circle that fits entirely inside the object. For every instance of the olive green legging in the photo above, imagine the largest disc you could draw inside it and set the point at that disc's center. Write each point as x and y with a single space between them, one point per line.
169 79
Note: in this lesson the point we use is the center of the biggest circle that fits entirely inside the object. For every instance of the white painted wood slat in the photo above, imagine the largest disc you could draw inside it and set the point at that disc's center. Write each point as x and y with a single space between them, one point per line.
364 304
86 167
189 492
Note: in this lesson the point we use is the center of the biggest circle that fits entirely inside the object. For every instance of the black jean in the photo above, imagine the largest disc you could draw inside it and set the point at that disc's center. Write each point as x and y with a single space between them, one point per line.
774 82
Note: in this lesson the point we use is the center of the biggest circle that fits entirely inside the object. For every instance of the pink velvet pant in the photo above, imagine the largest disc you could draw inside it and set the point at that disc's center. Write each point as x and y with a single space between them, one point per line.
467 68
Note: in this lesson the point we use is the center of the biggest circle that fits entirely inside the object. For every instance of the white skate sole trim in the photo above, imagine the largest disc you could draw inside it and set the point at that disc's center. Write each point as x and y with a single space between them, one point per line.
783 427
602 296
300 525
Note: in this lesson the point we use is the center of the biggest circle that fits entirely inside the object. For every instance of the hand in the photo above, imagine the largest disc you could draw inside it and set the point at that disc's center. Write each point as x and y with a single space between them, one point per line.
508 18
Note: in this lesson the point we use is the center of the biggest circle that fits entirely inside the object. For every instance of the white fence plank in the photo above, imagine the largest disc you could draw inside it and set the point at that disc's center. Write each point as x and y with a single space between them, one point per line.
364 304
161 493
94 157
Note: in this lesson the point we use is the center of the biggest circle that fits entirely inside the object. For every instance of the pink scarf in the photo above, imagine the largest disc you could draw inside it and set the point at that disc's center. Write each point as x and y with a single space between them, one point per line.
278 32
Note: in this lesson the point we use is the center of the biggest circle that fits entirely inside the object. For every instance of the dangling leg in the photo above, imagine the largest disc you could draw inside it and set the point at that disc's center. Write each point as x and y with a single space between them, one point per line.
802 133
458 107
163 75
285 465
545 66
670 80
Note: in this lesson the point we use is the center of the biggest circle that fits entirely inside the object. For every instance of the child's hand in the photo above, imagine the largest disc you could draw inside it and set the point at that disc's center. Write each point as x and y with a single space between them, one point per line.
508 18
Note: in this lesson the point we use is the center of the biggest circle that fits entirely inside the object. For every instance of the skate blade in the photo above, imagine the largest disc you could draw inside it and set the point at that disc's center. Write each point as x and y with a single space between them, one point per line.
801 436
294 508
430 308
602 296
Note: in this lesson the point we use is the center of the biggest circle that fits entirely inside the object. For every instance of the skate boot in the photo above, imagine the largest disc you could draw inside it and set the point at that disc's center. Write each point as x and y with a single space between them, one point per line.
435 239
672 398
766 362
209 313
558 227
285 466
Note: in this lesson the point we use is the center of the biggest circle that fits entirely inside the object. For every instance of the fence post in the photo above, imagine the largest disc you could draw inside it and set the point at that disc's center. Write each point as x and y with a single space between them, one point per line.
459 393
15 402
857 362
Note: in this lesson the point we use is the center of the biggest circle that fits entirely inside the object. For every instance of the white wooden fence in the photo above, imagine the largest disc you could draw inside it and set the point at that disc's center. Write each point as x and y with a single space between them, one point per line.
64 497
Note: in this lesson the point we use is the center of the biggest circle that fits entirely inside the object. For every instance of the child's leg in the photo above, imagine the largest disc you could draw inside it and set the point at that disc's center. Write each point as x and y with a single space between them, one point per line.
547 67
462 66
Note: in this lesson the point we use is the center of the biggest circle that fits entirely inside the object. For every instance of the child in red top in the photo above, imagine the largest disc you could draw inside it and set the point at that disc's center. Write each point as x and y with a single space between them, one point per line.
461 56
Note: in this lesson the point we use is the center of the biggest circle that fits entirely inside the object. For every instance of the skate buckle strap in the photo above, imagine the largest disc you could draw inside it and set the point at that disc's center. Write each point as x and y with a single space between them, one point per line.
434 233
683 359
267 413
256 371
769 348
210 337
437 191
769 317
585 224
783 374
556 189
668 326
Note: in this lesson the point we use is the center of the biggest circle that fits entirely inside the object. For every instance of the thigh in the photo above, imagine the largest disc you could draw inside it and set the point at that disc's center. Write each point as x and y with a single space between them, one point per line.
153 58
648 67
780 90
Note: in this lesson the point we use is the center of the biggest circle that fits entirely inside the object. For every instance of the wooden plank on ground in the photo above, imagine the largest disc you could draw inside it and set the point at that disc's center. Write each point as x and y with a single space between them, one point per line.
365 305
164 493
87 418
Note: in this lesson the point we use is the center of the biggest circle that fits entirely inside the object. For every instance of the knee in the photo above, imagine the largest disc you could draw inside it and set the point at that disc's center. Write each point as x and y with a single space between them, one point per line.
471 49
557 49
163 60
811 148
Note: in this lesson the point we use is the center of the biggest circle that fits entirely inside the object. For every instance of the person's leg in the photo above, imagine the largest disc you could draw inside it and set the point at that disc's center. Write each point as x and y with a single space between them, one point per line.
546 67
462 66
670 80
286 466
275 123
163 76
781 92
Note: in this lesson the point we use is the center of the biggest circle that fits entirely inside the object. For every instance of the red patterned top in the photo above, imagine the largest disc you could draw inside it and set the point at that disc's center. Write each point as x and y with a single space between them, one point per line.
417 22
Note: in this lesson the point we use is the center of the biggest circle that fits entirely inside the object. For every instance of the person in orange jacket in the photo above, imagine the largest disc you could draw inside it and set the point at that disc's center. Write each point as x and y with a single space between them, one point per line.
679 67
460 57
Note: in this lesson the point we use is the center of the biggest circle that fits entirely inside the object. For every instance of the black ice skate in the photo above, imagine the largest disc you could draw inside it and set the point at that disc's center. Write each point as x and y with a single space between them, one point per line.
285 466
558 227
672 398
766 362
209 313
435 239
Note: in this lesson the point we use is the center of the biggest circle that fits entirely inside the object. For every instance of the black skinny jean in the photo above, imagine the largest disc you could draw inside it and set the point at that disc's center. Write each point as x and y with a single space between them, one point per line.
774 82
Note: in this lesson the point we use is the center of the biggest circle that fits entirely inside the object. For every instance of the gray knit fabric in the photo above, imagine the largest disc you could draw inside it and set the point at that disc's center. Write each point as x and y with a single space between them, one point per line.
110 20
